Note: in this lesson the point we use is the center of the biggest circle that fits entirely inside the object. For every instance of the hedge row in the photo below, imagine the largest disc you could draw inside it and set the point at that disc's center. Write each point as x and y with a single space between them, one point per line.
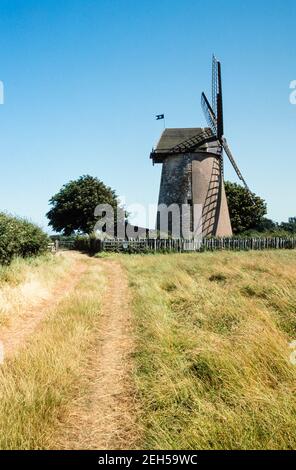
18 237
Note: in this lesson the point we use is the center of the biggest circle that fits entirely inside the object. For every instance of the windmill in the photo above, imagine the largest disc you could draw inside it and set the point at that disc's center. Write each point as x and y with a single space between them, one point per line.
192 165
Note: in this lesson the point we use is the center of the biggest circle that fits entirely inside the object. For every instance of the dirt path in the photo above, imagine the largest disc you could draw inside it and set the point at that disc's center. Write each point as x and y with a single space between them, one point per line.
106 418
14 336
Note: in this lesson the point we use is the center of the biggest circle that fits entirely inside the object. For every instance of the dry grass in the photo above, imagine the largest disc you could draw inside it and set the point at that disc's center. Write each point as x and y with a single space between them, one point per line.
40 384
213 368
26 282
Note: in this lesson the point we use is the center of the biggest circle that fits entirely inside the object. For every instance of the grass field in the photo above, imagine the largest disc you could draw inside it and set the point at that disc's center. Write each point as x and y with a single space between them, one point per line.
188 351
213 368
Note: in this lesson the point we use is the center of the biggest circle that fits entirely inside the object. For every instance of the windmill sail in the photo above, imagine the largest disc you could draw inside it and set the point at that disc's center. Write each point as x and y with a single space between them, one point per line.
209 113
219 114
214 116
214 84
193 142
231 158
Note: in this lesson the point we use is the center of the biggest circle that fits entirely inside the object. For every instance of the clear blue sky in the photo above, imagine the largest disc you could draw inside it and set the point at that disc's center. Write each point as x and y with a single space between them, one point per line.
84 79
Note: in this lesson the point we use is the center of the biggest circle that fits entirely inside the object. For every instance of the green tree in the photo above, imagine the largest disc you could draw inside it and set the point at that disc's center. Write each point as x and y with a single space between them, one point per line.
246 209
289 226
267 225
74 205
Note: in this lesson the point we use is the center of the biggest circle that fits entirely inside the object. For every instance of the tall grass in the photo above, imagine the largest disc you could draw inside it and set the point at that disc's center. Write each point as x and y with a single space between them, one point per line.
38 386
213 368
45 266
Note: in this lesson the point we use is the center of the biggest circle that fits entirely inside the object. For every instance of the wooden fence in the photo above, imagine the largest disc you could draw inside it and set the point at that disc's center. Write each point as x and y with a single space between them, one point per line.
207 244
61 245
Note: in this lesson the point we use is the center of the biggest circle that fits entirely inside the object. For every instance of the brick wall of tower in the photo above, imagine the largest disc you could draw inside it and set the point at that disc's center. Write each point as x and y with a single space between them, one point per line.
175 185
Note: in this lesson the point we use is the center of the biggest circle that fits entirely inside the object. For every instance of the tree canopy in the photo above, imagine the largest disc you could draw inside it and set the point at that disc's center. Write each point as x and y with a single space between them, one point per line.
246 210
74 205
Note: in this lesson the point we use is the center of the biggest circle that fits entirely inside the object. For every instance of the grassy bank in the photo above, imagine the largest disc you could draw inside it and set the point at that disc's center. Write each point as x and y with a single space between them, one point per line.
213 368
41 383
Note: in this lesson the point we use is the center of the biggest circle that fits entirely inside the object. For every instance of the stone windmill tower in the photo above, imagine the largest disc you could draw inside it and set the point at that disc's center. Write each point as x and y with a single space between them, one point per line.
192 165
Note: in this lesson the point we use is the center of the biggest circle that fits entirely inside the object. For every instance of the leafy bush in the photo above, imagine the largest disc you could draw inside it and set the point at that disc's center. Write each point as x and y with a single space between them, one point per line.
246 210
18 237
